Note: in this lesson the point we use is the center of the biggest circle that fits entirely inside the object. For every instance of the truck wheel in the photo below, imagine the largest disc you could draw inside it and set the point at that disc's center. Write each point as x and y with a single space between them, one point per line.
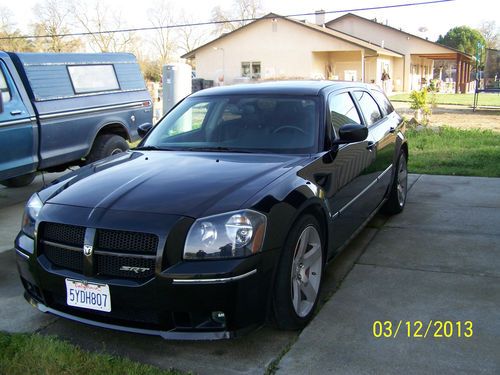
19 181
106 145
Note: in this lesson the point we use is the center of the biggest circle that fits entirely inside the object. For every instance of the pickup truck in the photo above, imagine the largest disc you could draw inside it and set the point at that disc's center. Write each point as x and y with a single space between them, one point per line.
64 109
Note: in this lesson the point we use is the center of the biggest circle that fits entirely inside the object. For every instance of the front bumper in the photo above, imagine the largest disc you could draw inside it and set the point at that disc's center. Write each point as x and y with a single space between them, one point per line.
183 302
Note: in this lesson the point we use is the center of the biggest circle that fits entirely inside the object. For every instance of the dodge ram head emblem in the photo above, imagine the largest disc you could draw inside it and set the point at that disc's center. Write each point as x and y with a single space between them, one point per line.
87 250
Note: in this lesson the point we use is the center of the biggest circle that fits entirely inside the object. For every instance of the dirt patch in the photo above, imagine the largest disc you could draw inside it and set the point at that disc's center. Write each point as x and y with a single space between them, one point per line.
457 116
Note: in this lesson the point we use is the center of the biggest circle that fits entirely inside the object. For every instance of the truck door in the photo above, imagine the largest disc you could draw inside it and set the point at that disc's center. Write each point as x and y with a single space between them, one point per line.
17 131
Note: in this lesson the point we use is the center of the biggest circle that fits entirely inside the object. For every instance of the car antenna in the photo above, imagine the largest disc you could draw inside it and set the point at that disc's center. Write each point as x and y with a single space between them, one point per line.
43 179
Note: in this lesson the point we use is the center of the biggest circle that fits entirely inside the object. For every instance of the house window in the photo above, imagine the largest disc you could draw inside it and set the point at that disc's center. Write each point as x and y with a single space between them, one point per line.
93 78
250 69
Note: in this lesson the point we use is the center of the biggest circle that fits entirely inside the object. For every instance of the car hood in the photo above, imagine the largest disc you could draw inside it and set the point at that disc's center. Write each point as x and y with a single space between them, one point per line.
167 182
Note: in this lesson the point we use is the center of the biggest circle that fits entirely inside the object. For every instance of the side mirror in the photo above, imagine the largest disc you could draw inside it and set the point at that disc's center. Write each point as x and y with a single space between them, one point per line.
143 129
1 102
350 133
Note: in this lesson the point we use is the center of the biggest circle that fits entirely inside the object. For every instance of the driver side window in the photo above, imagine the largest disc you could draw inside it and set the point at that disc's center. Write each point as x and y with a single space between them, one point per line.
342 111
4 89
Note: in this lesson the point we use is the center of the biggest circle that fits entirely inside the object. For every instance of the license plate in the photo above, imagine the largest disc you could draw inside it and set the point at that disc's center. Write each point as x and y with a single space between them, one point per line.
88 295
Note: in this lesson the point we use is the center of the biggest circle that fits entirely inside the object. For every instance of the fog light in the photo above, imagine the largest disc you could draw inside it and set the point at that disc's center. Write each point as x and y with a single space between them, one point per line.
219 317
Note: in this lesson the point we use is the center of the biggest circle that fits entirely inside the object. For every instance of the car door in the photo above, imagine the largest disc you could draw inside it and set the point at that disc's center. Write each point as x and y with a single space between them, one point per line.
17 131
382 140
350 178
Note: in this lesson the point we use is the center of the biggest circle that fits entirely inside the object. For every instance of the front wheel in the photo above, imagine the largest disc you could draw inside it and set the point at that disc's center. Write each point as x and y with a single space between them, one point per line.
106 145
399 188
299 275
19 181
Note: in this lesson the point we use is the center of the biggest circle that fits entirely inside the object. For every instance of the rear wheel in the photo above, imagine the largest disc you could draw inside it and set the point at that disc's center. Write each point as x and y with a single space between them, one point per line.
299 275
19 181
106 145
399 188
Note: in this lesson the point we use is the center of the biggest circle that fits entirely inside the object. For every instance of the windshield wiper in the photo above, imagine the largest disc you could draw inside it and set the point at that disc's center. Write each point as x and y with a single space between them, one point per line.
154 148
220 149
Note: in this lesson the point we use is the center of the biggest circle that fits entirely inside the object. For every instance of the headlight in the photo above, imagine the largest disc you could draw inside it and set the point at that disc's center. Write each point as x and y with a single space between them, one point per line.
234 234
31 212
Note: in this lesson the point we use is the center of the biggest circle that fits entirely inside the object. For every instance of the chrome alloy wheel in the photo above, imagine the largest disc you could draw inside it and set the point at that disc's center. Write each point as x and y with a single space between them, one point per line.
306 271
402 181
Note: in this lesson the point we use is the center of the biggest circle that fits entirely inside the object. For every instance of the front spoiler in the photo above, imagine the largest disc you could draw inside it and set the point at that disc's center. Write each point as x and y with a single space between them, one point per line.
167 335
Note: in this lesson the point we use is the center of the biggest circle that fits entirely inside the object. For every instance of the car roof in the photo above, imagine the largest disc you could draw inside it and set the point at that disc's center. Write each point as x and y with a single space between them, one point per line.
281 88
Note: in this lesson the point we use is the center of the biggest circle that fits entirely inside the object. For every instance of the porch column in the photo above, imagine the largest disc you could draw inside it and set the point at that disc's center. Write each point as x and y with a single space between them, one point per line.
363 66
459 75
464 77
407 73
467 81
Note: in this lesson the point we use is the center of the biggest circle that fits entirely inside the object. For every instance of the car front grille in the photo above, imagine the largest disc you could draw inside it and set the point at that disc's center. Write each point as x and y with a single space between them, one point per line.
64 258
116 253
117 240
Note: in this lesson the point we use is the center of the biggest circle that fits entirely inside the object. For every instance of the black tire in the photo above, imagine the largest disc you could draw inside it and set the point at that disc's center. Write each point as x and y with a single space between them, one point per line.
285 314
399 188
19 181
106 145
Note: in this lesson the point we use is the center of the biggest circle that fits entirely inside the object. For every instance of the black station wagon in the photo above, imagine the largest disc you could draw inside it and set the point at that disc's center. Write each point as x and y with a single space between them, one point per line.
225 215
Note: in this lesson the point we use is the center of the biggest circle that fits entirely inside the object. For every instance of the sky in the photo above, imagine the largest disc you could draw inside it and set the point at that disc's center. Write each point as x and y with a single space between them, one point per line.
423 20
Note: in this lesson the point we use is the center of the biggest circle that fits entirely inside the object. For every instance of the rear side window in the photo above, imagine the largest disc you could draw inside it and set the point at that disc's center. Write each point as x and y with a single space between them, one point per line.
369 107
343 111
385 104
4 89
93 78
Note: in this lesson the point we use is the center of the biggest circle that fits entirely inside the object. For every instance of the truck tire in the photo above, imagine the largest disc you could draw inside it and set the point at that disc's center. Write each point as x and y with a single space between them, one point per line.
106 145
19 181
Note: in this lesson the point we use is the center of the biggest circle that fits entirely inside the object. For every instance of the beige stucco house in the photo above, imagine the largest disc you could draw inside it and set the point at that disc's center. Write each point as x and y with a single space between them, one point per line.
418 54
274 47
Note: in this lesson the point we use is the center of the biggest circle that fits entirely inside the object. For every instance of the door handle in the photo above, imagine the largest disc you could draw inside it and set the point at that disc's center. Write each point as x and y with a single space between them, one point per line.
15 112
370 146
392 129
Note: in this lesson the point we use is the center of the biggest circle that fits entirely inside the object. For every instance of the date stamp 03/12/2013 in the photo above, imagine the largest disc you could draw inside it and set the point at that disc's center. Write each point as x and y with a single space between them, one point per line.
422 329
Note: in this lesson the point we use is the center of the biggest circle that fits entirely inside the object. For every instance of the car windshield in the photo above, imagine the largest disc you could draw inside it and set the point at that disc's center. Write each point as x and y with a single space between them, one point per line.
284 124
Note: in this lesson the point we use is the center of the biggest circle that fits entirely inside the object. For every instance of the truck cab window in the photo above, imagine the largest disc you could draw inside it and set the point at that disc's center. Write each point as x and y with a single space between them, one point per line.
4 89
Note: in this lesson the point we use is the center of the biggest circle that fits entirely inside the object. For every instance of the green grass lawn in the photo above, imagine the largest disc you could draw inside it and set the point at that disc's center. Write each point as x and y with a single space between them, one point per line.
484 99
26 354
449 151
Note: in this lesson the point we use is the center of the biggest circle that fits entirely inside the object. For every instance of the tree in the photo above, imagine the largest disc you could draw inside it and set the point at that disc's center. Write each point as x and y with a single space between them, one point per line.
97 18
189 37
462 38
241 10
53 20
10 38
489 30
164 41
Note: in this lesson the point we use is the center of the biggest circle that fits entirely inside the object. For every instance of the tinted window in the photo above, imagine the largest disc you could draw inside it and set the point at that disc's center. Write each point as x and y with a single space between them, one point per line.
385 104
253 123
343 111
4 89
190 120
369 107
93 78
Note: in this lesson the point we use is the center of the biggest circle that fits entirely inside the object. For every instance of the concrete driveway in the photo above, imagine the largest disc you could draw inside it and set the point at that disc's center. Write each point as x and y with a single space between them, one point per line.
439 260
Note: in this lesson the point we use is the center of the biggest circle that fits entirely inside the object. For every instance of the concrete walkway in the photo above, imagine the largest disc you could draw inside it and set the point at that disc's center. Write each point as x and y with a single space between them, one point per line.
439 260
